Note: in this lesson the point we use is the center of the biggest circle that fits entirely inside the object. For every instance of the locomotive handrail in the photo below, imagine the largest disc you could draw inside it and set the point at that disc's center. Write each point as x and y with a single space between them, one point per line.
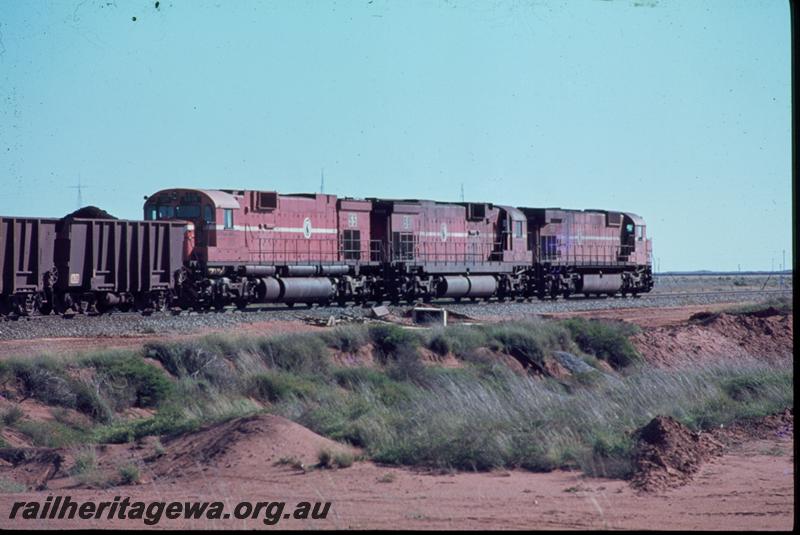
294 251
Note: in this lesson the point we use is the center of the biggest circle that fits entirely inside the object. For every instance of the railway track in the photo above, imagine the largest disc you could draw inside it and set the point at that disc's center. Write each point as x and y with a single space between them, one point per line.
282 308
657 295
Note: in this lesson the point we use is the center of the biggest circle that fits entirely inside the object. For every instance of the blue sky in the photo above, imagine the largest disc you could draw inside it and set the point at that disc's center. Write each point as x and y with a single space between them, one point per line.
676 110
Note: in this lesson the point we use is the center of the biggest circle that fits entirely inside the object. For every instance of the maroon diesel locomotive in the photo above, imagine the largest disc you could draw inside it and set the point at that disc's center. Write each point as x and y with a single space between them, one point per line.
211 248
260 246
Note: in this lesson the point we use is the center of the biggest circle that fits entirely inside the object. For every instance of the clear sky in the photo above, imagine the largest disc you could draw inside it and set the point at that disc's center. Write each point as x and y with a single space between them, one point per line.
676 110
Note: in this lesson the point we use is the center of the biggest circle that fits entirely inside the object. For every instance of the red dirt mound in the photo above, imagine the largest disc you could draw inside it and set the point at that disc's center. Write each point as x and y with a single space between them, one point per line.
240 447
668 454
779 426
713 336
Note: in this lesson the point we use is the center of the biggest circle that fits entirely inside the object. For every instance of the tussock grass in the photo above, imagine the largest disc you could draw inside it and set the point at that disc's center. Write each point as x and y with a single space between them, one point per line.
128 474
337 459
11 415
464 421
278 385
166 422
346 338
391 341
607 340
460 340
128 381
480 416
52 434
85 461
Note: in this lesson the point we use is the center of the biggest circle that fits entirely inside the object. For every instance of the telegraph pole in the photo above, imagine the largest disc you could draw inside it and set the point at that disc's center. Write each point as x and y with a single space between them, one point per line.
80 189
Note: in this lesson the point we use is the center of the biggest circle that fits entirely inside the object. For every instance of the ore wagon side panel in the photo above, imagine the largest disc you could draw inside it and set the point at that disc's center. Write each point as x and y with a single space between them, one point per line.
27 248
101 255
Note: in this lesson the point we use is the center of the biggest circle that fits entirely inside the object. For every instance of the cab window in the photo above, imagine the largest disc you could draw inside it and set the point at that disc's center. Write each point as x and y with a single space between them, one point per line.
166 212
517 229
188 211
228 218
639 232
208 214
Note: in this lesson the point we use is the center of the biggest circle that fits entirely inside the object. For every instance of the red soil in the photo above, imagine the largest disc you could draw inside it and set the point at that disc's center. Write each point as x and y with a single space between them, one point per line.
714 337
71 346
750 487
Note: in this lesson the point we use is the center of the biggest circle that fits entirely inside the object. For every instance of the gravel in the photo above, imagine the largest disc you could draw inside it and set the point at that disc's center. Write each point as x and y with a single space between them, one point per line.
132 324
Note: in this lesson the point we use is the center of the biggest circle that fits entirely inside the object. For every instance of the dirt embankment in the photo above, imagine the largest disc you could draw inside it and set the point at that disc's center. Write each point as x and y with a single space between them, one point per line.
767 336
238 449
687 484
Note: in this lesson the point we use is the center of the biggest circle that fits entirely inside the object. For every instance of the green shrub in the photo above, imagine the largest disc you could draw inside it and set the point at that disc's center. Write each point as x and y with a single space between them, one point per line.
52 434
387 390
347 338
203 358
130 381
90 402
298 353
169 421
278 385
440 344
85 460
11 415
43 380
605 340
337 459
389 340
611 455
407 366
520 342
128 474
747 388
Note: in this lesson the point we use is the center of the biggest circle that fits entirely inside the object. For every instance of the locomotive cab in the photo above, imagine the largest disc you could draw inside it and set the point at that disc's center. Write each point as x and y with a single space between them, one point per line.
635 244
210 212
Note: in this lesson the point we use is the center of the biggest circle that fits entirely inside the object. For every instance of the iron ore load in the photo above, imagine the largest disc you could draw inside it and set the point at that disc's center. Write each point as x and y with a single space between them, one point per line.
201 249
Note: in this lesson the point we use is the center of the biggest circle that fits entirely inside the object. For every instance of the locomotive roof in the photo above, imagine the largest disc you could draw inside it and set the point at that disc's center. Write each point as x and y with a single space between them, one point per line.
221 199
515 213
